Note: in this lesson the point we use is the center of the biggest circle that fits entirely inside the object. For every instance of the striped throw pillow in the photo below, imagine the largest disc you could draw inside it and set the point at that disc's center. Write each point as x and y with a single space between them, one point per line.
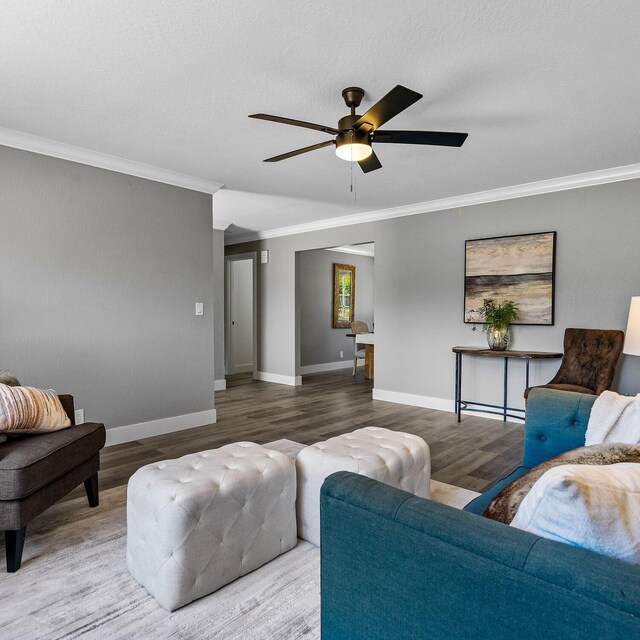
30 410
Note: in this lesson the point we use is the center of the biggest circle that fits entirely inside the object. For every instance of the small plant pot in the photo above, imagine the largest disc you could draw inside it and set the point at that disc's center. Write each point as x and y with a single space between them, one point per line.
498 338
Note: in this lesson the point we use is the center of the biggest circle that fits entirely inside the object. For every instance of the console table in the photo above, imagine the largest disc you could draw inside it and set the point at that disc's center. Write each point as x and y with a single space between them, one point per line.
505 409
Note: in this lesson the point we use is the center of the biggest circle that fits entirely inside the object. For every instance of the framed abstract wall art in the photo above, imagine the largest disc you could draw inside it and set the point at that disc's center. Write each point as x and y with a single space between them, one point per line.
519 268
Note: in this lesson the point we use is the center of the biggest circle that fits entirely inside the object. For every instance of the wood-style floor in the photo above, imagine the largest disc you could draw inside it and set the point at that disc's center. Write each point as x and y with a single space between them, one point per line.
471 454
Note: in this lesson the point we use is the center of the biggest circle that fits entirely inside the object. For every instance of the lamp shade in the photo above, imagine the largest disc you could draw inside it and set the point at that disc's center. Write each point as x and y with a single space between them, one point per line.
632 338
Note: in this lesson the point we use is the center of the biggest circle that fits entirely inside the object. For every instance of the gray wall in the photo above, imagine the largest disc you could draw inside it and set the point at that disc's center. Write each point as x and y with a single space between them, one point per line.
419 281
218 302
319 341
100 274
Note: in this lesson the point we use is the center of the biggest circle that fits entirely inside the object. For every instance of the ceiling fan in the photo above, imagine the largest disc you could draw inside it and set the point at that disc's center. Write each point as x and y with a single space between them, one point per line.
355 134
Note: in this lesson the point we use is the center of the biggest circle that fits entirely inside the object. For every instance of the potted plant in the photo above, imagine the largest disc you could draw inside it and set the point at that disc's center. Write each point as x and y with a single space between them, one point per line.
497 318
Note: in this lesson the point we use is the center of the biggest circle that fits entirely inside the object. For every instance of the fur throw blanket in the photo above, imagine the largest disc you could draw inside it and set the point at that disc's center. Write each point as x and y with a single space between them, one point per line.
6 377
504 506
614 418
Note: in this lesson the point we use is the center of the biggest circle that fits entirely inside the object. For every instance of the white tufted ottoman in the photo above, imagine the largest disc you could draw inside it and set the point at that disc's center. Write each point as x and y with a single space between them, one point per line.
196 523
399 459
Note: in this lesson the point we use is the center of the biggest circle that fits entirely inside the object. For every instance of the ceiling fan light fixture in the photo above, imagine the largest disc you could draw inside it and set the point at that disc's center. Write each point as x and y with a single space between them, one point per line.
355 134
353 147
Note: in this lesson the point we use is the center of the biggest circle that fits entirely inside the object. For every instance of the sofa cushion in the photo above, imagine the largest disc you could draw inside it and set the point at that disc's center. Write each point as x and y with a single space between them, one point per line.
588 506
478 505
30 462
30 410
505 504
15 514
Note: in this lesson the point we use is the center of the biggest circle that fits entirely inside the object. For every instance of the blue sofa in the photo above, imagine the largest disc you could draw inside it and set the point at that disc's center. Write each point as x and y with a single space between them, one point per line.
395 566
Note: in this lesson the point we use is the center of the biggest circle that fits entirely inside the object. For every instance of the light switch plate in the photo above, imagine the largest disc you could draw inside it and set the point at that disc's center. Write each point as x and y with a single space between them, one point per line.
79 416
264 256
199 308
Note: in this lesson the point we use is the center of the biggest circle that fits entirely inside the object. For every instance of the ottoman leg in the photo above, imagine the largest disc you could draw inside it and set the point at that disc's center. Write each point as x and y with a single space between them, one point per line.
91 487
13 545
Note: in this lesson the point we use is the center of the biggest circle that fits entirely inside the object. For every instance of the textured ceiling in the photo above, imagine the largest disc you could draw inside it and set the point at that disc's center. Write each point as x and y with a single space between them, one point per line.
545 88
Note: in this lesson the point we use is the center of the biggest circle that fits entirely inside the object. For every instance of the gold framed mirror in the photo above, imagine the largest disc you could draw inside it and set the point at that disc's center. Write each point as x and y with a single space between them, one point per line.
344 295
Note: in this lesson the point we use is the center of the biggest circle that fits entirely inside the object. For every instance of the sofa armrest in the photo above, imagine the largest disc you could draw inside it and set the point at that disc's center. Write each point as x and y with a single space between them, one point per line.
67 404
397 566
556 421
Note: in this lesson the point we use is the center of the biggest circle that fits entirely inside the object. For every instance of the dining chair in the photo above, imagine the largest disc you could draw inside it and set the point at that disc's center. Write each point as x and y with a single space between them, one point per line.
358 326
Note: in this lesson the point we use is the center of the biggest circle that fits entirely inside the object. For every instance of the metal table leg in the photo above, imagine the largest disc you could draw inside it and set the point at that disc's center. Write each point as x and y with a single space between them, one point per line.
458 402
506 379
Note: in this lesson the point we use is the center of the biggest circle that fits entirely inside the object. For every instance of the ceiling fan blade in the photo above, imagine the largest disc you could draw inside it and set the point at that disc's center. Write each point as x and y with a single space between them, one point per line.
297 152
440 138
370 164
396 101
296 123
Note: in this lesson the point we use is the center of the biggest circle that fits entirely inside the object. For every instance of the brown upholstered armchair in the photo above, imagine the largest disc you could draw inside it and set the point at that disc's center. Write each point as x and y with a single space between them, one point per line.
36 471
589 361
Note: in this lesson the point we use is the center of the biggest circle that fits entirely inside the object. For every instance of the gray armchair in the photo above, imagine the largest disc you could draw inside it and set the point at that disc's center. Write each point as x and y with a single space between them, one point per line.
36 471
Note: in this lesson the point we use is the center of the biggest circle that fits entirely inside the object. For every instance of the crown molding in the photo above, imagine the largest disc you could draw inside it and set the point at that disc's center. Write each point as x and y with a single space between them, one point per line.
221 225
577 181
46 147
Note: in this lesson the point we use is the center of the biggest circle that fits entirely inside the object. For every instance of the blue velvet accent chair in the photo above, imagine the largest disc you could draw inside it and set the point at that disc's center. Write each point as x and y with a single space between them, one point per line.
395 566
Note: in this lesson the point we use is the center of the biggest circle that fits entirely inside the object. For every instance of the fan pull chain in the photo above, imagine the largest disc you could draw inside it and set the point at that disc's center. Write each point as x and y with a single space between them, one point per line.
354 185
351 169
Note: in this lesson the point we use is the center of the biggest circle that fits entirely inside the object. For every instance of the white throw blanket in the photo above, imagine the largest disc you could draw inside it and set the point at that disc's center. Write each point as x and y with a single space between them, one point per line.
614 418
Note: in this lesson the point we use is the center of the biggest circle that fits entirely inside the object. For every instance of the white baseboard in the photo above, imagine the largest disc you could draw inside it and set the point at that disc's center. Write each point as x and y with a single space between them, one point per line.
219 385
429 402
327 366
292 381
130 432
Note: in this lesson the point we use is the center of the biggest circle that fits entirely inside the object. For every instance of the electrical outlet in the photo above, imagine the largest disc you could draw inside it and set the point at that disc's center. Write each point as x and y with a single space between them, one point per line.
79 416
342 354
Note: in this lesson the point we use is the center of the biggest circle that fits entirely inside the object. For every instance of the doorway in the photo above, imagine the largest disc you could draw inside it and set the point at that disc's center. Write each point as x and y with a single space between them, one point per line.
240 314
321 346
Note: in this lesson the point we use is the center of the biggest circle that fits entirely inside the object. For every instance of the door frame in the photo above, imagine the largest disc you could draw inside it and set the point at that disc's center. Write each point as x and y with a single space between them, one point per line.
228 346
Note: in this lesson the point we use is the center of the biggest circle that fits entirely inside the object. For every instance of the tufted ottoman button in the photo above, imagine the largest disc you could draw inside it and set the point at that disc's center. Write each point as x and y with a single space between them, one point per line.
542 438
187 537
401 460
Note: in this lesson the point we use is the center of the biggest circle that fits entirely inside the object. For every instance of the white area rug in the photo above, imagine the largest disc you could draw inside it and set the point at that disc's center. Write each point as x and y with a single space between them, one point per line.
73 584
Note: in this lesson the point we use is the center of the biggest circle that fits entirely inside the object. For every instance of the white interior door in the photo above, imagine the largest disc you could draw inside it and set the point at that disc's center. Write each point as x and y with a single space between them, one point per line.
241 316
